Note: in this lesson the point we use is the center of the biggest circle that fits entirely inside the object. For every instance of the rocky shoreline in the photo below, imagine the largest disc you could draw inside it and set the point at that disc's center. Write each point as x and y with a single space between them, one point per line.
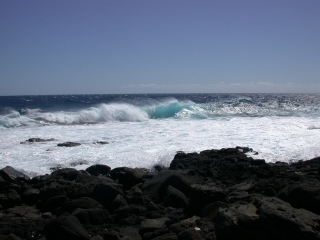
214 194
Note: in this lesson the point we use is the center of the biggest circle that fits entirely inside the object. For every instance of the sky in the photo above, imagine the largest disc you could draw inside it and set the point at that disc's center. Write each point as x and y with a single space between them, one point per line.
159 46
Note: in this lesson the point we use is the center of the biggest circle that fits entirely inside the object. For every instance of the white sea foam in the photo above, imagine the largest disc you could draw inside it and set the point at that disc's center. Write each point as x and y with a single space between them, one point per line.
145 143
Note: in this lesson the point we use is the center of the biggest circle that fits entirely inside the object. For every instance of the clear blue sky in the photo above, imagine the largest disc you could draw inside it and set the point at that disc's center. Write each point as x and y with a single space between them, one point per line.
159 46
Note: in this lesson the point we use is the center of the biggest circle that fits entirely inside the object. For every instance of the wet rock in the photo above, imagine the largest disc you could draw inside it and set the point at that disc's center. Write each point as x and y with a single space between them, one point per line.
10 174
68 144
102 142
99 169
79 163
65 228
33 140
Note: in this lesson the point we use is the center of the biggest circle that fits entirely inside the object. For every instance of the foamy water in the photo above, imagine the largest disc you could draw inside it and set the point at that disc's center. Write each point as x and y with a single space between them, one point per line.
149 131
143 144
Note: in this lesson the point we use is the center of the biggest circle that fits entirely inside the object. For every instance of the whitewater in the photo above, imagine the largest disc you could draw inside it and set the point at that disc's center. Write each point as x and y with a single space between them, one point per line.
148 129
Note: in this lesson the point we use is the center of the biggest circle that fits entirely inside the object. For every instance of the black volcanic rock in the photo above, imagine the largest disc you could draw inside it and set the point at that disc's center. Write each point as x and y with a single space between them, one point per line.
127 176
214 194
68 144
9 198
33 140
65 228
10 174
99 169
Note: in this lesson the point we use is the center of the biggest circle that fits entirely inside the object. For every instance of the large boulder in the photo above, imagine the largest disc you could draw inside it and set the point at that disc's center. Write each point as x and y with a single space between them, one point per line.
128 177
99 169
157 187
151 225
105 194
203 195
94 216
303 195
9 198
83 203
65 228
10 174
175 198
66 173
266 218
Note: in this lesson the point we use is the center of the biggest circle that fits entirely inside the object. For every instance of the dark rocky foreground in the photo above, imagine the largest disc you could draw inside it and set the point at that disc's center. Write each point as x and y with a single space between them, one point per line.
216 194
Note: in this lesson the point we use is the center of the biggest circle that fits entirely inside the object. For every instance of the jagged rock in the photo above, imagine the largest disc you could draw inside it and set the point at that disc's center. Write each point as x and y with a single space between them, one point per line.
214 194
10 174
68 144
65 228
98 169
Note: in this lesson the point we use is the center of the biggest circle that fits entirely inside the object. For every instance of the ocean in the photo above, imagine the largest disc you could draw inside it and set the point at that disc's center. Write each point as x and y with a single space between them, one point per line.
148 129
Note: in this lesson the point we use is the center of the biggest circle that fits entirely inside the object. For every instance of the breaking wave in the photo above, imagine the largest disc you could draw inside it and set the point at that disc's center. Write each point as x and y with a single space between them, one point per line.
145 109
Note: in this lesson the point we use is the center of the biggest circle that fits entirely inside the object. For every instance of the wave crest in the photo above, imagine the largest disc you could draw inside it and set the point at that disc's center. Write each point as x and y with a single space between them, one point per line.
176 109
99 114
